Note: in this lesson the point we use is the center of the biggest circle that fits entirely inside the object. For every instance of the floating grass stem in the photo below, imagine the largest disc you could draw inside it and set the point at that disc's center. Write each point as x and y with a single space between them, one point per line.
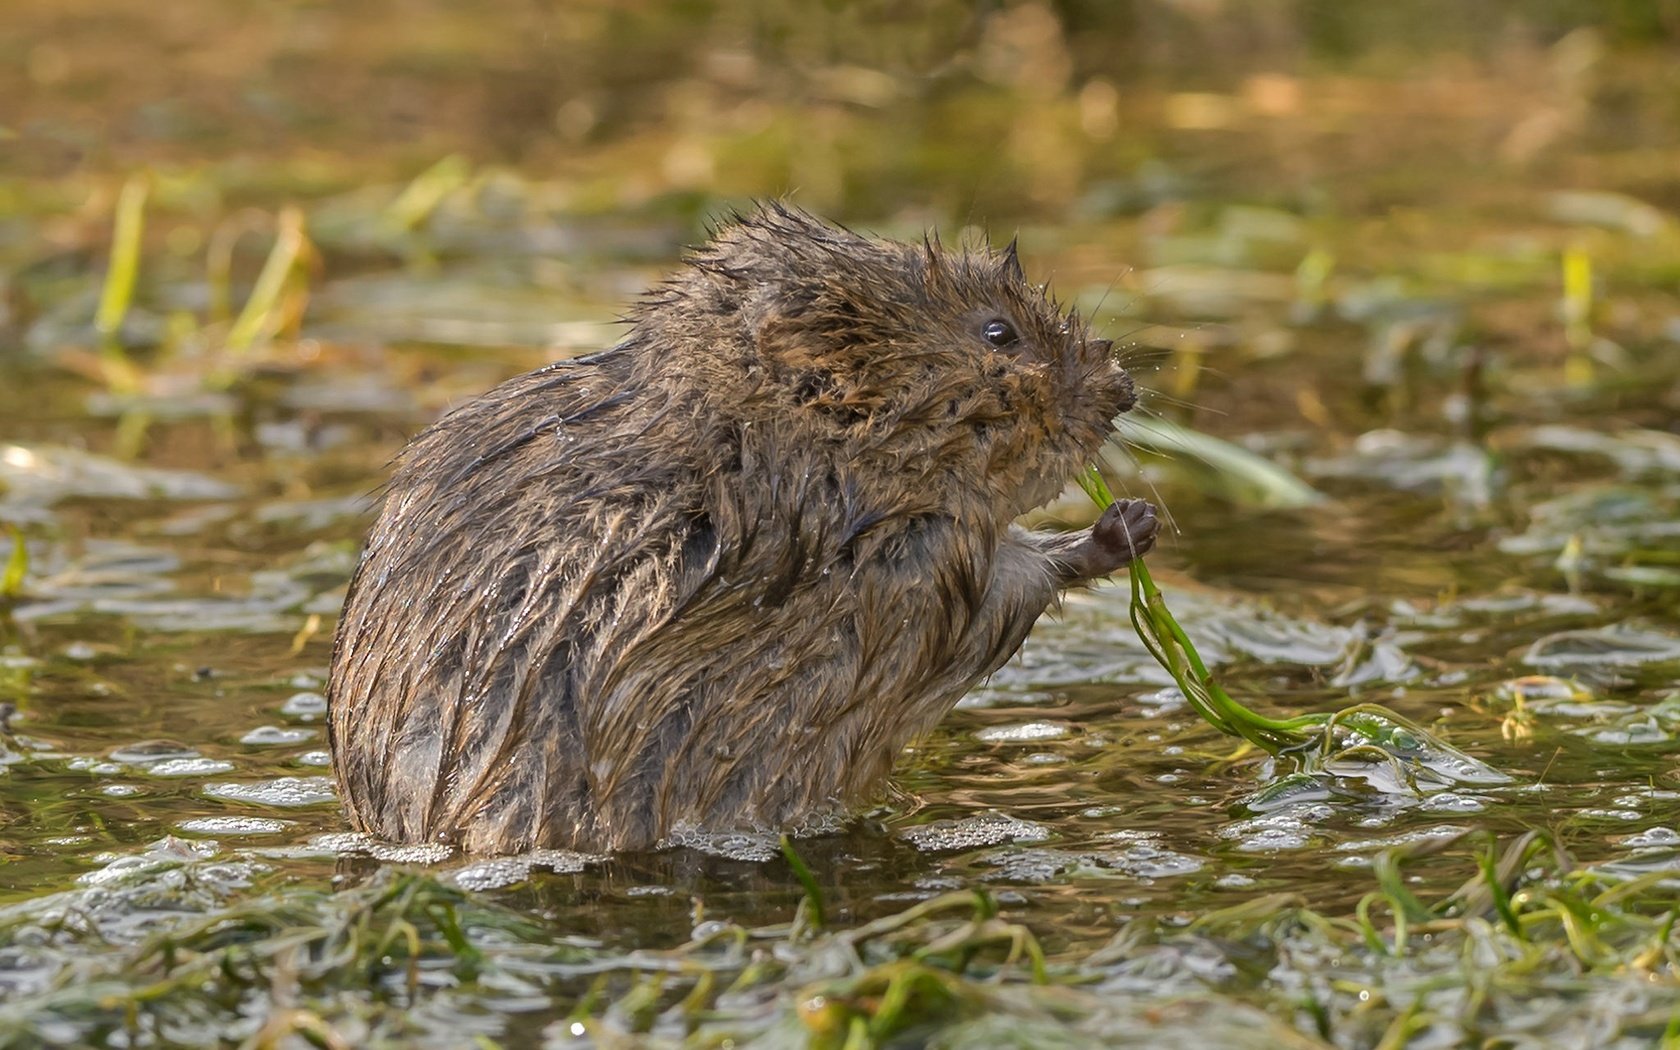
1172 648
1360 733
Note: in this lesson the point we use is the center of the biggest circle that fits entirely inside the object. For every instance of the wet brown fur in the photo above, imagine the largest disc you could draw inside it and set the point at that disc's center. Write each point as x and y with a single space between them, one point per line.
719 574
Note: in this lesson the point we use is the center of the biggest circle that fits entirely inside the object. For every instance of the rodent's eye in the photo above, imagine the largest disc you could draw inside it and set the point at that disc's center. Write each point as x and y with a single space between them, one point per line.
999 332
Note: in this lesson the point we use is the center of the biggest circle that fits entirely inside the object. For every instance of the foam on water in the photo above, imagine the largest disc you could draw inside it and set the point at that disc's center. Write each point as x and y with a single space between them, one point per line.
280 791
967 833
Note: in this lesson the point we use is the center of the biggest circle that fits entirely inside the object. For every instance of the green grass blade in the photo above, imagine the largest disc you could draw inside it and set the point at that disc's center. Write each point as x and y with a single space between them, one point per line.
1091 481
17 565
121 276
1260 480
257 318
124 270
421 197
802 872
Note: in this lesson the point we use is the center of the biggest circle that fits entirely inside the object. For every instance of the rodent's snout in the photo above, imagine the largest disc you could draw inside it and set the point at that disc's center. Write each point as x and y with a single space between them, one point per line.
1128 390
1123 387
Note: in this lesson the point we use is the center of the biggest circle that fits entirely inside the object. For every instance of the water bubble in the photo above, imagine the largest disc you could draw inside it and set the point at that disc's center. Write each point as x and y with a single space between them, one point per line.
281 791
152 751
168 852
189 767
305 705
492 874
354 843
743 845
1612 814
1149 861
266 736
1652 837
1037 864
497 872
233 826
89 765
1286 829
1451 802
990 829
1024 732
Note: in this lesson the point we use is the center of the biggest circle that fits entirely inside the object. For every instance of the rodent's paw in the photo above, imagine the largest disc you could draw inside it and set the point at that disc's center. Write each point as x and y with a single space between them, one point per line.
1126 531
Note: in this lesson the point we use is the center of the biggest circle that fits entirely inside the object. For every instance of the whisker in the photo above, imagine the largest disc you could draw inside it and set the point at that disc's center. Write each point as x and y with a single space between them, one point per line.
1149 368
1142 326
1144 425
1151 402
1148 396
1216 372
1118 445
1112 284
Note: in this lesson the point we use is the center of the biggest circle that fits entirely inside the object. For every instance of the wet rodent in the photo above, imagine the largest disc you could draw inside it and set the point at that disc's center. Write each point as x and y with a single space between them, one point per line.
717 575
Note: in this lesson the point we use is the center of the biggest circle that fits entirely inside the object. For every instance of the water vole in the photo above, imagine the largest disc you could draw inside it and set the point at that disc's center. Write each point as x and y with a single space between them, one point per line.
719 574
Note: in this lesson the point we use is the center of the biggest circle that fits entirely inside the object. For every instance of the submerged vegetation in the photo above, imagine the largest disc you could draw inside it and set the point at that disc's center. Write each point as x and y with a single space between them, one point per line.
1528 948
1402 289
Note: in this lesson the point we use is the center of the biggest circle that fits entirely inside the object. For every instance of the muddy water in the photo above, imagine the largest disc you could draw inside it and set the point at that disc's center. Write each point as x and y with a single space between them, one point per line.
1322 266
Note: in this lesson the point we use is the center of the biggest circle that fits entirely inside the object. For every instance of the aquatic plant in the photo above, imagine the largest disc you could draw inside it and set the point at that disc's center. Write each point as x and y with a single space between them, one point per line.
1527 942
1319 742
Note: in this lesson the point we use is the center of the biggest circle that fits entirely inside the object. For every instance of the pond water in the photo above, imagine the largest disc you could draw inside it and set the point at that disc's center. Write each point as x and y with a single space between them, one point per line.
1426 265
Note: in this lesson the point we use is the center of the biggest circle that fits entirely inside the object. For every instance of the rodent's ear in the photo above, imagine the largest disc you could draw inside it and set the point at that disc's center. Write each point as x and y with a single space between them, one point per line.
1009 263
933 257
934 264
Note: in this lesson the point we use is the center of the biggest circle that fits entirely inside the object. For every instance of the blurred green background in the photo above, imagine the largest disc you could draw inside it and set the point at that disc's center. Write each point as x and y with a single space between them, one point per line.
987 111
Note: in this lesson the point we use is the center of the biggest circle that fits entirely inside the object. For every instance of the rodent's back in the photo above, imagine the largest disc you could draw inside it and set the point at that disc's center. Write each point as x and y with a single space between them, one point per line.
714 576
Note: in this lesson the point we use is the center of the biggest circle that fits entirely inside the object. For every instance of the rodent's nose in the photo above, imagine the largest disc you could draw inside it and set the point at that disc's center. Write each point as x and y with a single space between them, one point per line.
1128 395
1104 347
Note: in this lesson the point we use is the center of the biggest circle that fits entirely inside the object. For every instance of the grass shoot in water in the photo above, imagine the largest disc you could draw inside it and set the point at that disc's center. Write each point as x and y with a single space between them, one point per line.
120 278
1344 741
17 565
281 289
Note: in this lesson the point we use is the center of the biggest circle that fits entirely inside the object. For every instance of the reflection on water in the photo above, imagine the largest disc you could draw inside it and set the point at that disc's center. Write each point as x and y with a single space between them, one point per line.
1426 263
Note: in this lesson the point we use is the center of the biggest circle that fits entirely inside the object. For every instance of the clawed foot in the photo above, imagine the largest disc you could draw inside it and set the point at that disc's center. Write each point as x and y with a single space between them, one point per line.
1127 529
1125 532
